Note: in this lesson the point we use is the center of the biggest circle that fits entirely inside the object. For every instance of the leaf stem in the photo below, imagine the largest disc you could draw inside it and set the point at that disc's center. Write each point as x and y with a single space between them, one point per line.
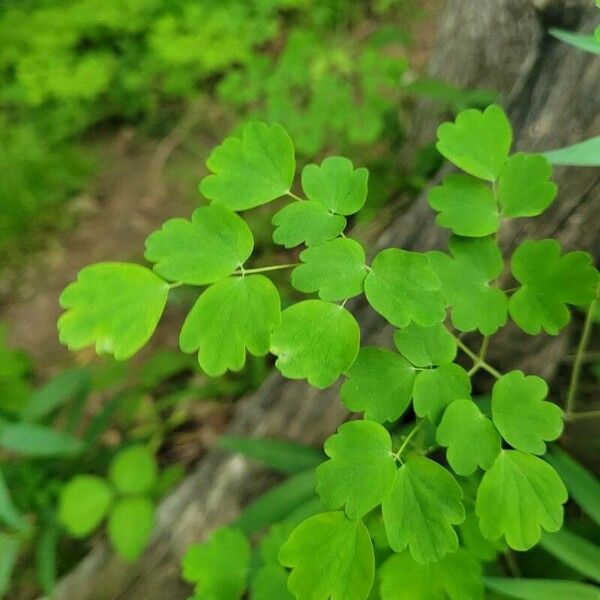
175 285
405 443
477 361
576 372
576 416
294 196
265 269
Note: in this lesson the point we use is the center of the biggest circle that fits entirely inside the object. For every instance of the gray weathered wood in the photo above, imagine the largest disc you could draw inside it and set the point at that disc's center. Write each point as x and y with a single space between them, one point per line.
552 93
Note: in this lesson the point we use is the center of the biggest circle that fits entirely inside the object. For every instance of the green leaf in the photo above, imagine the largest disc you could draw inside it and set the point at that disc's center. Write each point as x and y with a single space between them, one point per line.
270 582
549 281
435 389
515 481
252 170
219 567
331 558
130 525
134 470
45 558
583 486
426 346
457 576
206 249
574 551
271 542
403 287
582 154
278 502
336 185
9 552
470 437
306 222
336 269
281 455
477 142
465 205
522 417
316 340
523 187
361 468
541 589
9 514
59 391
473 541
466 283
588 43
84 502
421 508
380 383
231 316
29 439
117 306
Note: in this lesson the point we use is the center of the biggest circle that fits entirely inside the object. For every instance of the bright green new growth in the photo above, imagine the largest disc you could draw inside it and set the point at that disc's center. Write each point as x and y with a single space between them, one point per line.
549 282
402 287
253 170
331 558
421 508
130 525
219 567
380 384
134 471
115 306
426 346
521 415
518 480
321 352
204 250
231 316
361 468
471 438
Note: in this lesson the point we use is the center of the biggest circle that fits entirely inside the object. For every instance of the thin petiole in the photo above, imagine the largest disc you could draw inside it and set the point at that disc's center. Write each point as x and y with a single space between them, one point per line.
294 196
589 414
265 269
175 285
405 443
577 363
477 362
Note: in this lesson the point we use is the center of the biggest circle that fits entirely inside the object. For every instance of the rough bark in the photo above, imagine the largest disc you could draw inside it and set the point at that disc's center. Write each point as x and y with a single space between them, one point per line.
552 93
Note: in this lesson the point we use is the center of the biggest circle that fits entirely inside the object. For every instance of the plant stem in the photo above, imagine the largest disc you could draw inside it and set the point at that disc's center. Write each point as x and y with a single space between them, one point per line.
265 269
576 372
588 414
405 443
175 285
294 196
477 361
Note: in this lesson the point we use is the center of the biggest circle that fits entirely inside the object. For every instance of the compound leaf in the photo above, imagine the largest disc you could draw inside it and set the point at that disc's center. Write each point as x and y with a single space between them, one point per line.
336 269
331 558
316 340
521 415
523 187
336 185
134 470
84 502
457 576
470 437
465 278
231 316
361 468
426 346
403 287
253 170
380 383
477 142
465 205
306 222
130 525
209 247
219 567
115 305
424 503
435 389
270 582
515 481
549 281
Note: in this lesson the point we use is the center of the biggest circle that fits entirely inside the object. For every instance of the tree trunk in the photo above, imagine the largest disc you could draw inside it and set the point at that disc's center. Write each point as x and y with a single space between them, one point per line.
552 93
